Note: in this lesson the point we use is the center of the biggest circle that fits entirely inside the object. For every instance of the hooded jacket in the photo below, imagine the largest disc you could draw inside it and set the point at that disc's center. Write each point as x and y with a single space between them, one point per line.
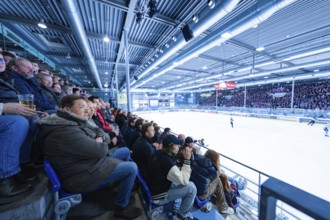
81 163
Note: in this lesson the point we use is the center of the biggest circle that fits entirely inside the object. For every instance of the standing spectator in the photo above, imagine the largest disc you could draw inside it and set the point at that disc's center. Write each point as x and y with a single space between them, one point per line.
326 129
167 182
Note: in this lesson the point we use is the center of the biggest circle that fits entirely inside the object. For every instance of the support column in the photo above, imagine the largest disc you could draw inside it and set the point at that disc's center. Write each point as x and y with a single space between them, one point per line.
216 98
292 96
128 87
245 91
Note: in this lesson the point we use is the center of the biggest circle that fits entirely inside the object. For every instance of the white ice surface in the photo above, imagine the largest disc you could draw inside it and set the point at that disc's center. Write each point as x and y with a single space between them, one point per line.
290 151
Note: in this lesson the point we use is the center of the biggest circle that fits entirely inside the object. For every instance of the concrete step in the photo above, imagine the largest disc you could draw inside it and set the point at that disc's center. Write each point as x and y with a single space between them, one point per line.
35 206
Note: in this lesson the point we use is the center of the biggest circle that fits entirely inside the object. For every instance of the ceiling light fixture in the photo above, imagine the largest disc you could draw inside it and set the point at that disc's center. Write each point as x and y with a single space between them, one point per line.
195 19
211 4
106 39
42 24
259 49
226 35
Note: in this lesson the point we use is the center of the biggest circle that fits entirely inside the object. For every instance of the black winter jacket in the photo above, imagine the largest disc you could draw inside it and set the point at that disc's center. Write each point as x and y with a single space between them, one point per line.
203 172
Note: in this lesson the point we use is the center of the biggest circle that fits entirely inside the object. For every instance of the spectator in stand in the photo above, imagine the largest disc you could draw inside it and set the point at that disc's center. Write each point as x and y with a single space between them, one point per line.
82 162
99 118
167 182
134 135
182 137
156 135
143 148
105 108
46 82
61 82
56 79
57 89
20 70
66 90
8 56
91 109
16 135
130 128
215 187
165 132
76 91
121 118
35 67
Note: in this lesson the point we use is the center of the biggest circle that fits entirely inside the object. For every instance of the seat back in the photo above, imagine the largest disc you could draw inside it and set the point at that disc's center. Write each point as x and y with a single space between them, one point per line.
201 203
55 181
63 201
145 188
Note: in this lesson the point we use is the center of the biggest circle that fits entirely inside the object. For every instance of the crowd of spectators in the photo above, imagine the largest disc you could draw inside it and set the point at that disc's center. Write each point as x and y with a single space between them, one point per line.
311 95
91 145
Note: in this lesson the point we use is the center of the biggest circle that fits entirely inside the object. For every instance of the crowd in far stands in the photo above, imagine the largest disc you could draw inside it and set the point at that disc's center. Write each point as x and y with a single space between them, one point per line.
90 145
312 95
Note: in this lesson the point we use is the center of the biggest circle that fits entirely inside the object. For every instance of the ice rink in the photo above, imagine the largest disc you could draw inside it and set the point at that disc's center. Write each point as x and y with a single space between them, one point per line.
291 151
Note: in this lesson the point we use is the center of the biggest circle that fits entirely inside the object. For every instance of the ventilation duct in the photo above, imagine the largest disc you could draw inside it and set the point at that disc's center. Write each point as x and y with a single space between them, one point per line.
78 29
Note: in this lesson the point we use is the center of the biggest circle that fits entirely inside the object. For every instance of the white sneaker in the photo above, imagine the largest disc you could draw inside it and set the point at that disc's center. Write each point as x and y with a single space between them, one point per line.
228 210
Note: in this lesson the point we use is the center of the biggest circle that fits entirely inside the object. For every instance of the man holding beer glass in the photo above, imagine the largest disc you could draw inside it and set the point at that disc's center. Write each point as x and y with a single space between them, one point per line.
21 72
16 135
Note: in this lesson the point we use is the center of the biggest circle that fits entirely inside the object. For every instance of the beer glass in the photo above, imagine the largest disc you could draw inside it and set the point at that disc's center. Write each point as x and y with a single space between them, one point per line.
26 99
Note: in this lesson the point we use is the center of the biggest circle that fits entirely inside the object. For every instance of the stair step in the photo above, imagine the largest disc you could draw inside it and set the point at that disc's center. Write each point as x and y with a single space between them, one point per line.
34 206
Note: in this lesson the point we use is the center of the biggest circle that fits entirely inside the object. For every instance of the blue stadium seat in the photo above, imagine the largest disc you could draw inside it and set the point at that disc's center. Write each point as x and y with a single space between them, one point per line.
63 201
153 211
205 205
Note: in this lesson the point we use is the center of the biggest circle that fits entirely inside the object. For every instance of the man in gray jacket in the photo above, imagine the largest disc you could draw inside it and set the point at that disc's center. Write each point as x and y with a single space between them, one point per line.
81 159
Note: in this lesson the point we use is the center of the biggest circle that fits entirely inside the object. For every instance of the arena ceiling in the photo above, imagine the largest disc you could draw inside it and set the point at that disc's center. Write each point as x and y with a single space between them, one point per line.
173 45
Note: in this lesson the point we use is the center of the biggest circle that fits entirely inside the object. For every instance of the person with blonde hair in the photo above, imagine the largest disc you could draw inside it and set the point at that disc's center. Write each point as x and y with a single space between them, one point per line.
205 175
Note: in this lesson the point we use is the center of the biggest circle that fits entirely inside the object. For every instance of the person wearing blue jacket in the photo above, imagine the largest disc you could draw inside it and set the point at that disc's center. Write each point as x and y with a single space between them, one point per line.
21 73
